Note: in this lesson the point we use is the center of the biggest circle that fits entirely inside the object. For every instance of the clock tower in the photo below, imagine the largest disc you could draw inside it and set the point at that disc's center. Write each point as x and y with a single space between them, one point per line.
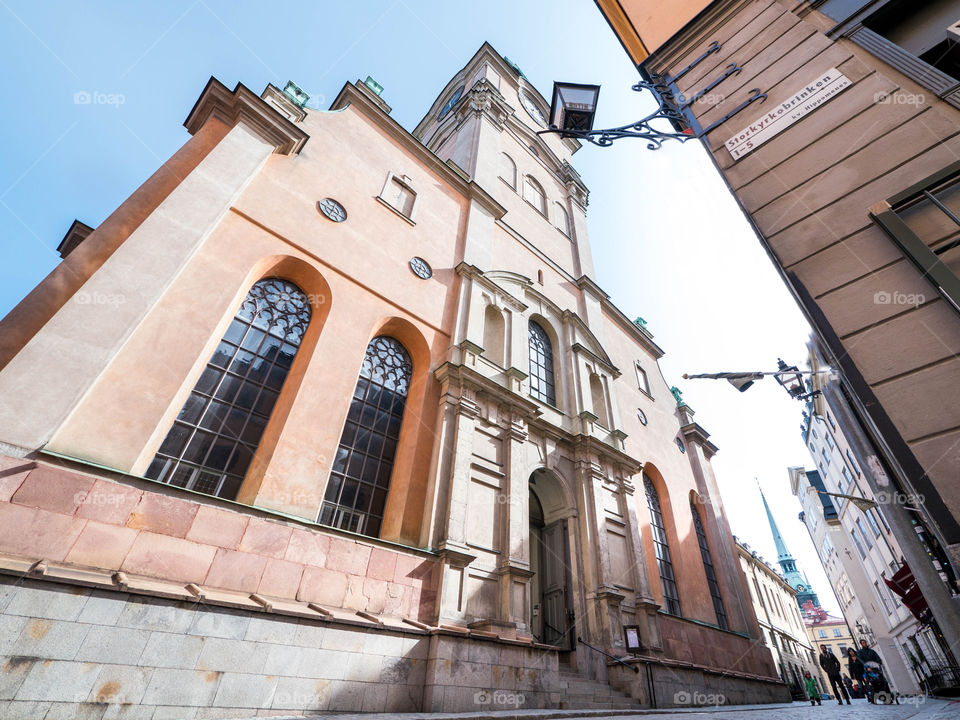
788 564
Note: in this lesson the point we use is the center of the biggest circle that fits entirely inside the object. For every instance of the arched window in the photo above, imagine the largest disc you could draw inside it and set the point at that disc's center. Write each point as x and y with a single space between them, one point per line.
357 491
541 365
599 400
533 194
563 219
493 335
709 569
216 434
508 170
668 580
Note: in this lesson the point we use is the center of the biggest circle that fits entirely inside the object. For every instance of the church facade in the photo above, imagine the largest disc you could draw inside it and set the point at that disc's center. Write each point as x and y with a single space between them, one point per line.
329 415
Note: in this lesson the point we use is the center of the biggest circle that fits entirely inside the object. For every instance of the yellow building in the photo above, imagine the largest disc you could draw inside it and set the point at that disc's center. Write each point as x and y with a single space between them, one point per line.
832 632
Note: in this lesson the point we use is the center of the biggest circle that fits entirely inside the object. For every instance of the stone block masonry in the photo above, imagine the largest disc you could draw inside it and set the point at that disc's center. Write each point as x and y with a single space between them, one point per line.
50 512
76 652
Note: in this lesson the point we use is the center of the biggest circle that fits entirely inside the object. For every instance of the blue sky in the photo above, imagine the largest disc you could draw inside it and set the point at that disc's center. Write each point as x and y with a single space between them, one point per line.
669 242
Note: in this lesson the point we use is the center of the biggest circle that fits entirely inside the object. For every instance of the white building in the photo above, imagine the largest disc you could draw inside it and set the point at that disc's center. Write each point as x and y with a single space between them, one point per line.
858 552
781 624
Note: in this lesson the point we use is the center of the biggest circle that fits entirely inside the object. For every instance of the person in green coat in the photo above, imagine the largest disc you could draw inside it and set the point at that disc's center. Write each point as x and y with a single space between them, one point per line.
812 690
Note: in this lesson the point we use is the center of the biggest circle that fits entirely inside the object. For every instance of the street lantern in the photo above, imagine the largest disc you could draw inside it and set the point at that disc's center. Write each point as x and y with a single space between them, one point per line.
573 107
790 379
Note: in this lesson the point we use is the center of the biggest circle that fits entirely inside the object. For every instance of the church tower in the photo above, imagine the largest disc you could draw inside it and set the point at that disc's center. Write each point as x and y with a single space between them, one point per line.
353 396
788 564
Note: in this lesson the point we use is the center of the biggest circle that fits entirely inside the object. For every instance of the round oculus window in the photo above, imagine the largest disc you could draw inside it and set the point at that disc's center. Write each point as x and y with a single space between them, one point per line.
332 210
641 416
683 448
421 268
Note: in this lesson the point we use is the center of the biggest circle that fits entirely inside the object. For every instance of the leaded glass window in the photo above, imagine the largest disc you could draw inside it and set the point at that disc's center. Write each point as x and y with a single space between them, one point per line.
662 549
216 434
709 569
541 365
357 491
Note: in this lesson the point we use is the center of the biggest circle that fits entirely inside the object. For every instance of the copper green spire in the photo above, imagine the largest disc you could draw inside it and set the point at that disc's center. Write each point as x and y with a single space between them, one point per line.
782 552
787 562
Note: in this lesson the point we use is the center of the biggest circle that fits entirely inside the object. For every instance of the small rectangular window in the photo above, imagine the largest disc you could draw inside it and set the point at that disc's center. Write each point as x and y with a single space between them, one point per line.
642 381
398 193
401 197
852 463
863 532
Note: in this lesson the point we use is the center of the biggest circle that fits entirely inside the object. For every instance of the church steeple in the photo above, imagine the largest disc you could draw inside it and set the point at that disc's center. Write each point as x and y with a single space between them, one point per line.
787 562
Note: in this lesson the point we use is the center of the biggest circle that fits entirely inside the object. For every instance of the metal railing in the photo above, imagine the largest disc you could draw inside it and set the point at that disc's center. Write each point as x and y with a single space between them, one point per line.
612 657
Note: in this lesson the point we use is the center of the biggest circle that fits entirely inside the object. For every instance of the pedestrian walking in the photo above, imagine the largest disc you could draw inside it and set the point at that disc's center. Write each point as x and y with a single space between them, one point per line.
868 654
831 666
855 668
812 690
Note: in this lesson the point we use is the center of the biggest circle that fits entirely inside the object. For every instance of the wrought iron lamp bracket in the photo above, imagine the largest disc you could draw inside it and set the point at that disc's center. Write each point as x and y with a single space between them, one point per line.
670 108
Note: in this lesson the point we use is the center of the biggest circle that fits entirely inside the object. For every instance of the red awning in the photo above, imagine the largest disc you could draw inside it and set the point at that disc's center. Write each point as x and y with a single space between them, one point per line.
904 585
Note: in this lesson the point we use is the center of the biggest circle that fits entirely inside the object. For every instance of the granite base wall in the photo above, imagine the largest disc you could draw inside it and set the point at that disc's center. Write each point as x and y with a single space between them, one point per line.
81 654
464 675
693 687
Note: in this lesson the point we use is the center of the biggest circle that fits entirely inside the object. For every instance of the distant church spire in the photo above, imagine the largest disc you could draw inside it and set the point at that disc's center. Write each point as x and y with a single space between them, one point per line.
783 555
787 562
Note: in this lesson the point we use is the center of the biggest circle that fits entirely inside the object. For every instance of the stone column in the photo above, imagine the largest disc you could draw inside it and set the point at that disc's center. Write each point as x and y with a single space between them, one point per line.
514 565
460 412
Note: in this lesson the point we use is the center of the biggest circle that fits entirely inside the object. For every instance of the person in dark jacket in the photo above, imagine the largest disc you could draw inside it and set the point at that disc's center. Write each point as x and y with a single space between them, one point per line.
855 667
867 654
831 666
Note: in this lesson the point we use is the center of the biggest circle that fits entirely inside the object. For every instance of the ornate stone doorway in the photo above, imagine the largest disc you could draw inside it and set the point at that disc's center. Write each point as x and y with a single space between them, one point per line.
551 611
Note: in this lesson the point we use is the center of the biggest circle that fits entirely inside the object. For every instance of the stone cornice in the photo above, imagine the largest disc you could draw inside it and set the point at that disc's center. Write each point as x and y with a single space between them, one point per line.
637 333
695 433
472 271
353 97
242 105
456 374
484 99
76 234
604 363
590 444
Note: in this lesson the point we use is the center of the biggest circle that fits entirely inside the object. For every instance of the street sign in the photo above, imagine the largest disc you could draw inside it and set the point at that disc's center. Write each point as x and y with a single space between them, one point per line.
775 121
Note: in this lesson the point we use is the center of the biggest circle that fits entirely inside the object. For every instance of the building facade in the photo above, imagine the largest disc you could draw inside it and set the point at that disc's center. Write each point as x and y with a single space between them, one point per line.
858 548
835 126
782 625
329 415
825 629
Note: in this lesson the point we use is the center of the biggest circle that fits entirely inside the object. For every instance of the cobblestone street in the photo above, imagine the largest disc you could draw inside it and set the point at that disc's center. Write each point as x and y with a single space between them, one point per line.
926 709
